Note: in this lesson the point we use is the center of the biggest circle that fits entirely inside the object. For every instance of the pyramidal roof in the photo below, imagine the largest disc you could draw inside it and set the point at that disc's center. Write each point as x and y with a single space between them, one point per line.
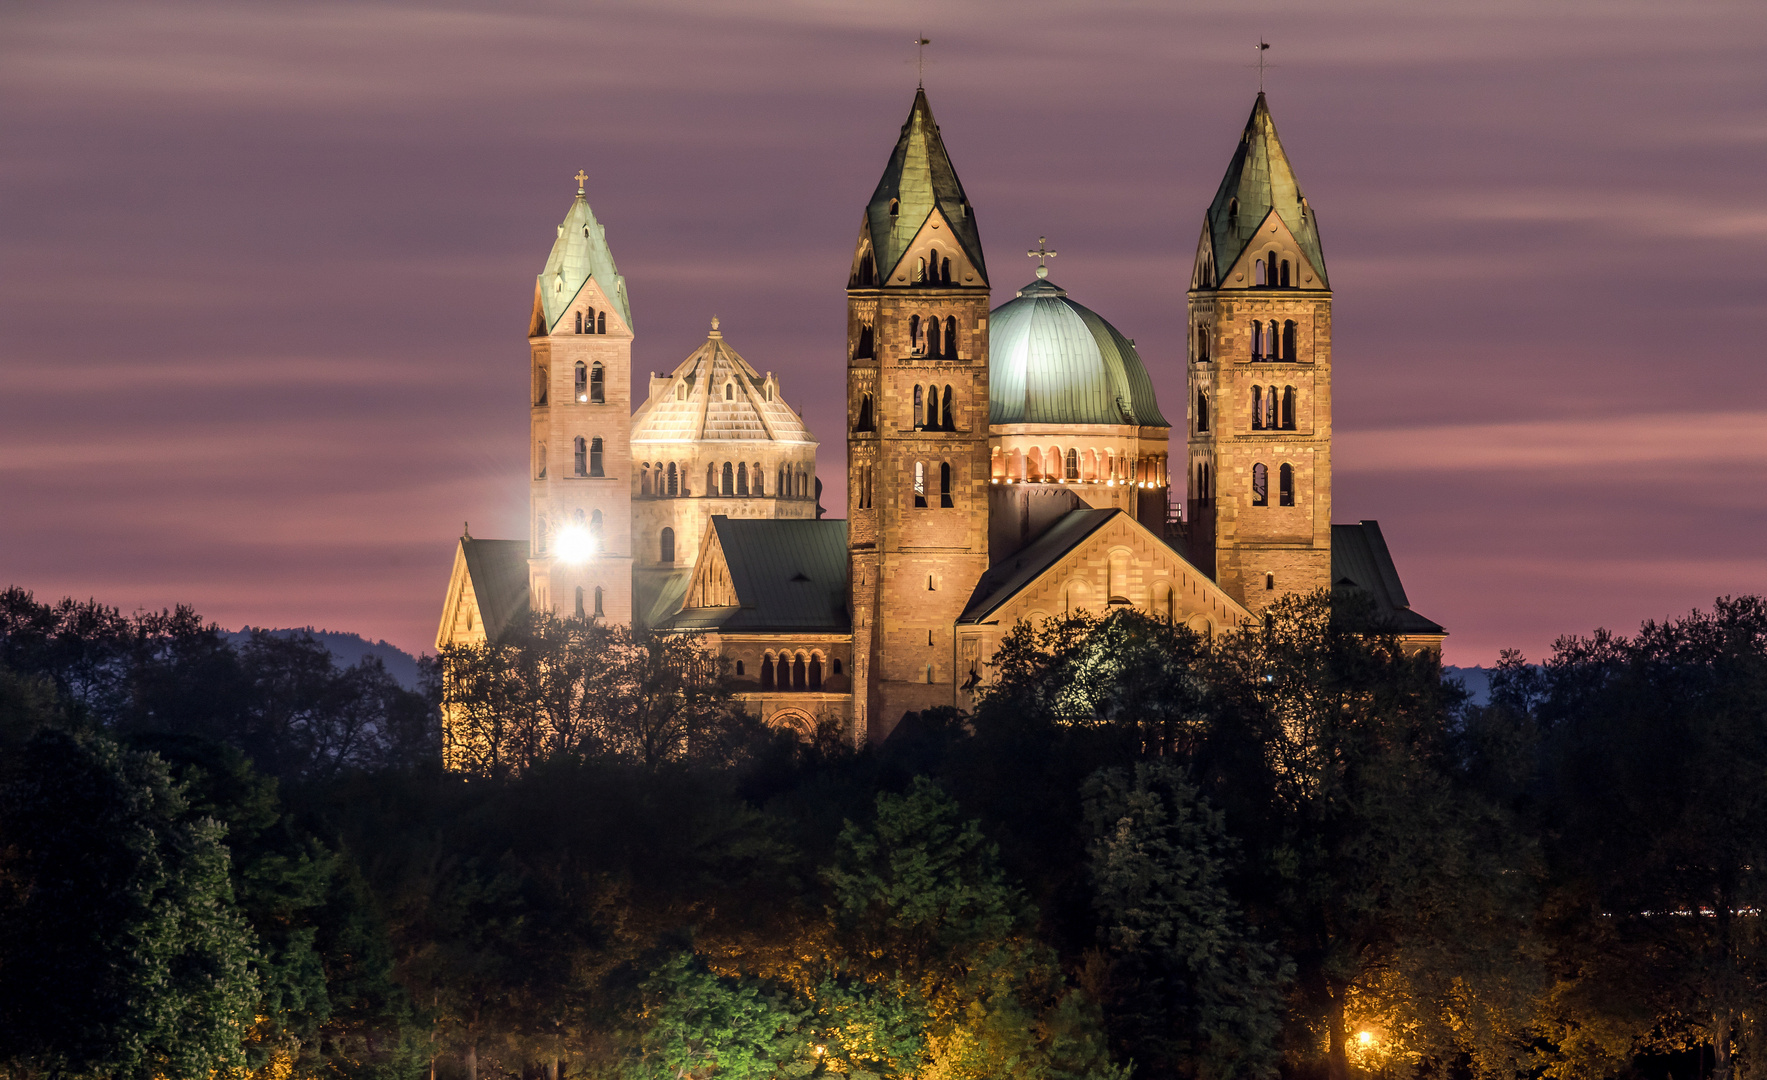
580 253
919 178
702 411
1260 178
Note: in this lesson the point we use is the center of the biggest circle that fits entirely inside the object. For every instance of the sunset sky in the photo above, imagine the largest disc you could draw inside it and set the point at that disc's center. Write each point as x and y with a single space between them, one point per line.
268 266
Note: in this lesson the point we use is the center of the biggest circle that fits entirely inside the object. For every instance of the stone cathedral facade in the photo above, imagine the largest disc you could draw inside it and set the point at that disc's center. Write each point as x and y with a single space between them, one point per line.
1004 463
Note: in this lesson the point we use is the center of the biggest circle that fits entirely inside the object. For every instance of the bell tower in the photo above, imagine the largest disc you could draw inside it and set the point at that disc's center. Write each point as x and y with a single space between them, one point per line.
580 468
1259 502
917 430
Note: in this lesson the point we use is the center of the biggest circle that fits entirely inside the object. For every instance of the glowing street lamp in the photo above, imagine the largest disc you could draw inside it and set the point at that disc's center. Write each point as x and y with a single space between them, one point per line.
575 544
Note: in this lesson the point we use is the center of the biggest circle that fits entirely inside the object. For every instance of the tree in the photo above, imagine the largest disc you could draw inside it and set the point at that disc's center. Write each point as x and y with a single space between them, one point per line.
1191 991
699 1023
124 954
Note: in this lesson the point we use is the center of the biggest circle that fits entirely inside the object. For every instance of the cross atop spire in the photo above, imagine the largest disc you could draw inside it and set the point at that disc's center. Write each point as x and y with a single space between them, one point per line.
1263 47
581 176
1041 254
921 41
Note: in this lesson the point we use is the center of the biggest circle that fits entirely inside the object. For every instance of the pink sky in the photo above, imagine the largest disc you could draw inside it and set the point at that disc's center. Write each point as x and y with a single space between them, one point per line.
268 267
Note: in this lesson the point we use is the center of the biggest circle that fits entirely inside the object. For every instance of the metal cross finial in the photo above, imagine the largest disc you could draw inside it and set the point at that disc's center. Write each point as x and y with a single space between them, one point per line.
581 176
921 41
1263 47
1042 253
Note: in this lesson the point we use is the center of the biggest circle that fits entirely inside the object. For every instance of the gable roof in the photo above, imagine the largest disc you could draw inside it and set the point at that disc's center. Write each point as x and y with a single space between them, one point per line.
1260 180
1004 579
580 253
499 570
1360 562
787 575
920 178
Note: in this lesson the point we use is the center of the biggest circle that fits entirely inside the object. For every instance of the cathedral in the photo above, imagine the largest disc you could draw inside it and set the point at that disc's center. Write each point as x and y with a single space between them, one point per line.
1003 463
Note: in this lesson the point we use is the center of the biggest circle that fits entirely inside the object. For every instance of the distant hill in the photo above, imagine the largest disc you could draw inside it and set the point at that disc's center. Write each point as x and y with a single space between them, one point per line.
1477 681
346 649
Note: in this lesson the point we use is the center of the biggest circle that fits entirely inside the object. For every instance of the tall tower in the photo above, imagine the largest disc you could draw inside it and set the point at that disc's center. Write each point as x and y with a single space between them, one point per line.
580 341
917 424
1260 381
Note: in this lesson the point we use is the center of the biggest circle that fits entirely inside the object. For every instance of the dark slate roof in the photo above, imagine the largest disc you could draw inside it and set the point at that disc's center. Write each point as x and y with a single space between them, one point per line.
499 571
1052 361
1360 561
789 575
1005 578
920 177
1260 177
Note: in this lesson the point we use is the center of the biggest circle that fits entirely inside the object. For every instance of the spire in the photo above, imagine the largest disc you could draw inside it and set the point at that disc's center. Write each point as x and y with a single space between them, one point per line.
580 253
919 179
1259 179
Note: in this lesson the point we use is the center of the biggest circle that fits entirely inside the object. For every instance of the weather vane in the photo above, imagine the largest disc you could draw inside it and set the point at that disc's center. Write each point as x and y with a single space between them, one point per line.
1042 253
581 176
921 41
1263 47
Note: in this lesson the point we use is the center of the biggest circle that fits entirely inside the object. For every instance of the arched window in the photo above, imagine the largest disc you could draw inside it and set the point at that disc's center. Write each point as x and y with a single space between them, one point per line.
1288 340
945 271
1269 582
1270 409
739 668
914 334
742 478
815 673
864 349
945 484
711 479
542 386
1275 342
589 322
1258 272
767 672
600 328
595 456
673 480
950 331
920 270
1260 485
798 672
1288 408
756 486
932 337
1257 340
666 546
597 385
932 408
728 487
644 480
598 611
729 391
1202 410
580 611
582 381
581 447
1284 278
579 330
1202 343
920 484
1233 215
1073 464
540 457
864 423
1285 485
892 207
835 666
1257 408
919 404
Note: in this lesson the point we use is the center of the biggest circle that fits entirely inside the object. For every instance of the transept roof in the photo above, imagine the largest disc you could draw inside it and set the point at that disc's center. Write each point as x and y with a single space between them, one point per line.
919 178
702 411
1259 179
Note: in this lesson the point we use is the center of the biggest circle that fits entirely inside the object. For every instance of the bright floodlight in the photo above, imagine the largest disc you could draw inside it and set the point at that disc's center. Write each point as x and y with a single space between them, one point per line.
575 545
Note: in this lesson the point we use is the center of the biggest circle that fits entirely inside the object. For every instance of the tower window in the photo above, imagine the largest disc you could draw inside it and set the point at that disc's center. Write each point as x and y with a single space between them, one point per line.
1202 410
1202 343
598 611
950 324
1288 408
919 400
600 328
1257 340
1270 409
597 385
1257 408
1269 582
1233 215
673 480
914 336
742 478
867 270
920 485
920 270
540 459
945 419
666 546
945 484
835 666
893 207
580 447
864 349
932 338
1275 342
1288 340
541 383
580 602
589 322
711 479
579 322
729 485
864 423
1258 272
1285 485
1260 485
1284 277
945 271
581 381
595 456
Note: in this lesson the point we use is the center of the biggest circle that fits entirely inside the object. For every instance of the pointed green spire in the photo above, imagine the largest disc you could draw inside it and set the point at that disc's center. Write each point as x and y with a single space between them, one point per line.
580 253
1260 179
918 179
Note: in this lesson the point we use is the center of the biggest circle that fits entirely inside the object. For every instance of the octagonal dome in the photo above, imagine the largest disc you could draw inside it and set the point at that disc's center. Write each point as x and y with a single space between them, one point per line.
1052 361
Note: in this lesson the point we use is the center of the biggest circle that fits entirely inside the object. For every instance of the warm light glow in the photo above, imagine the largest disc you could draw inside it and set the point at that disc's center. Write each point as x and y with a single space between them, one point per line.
1366 1038
575 545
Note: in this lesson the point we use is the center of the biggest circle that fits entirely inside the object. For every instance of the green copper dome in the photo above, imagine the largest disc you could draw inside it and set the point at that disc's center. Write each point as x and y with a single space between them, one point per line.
1052 361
